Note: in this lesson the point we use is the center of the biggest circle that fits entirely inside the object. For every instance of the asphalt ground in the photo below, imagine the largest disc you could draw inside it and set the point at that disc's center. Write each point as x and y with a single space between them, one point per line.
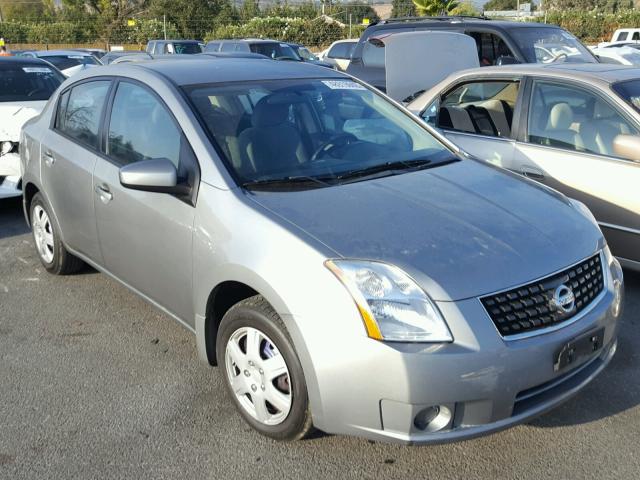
95 383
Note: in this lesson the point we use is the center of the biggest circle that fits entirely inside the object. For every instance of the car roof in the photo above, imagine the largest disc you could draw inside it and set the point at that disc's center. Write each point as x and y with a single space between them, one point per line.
194 71
597 72
53 53
174 41
445 22
24 61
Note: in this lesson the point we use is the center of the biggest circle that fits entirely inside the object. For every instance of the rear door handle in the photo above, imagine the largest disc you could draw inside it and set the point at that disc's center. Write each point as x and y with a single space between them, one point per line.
49 159
532 172
104 193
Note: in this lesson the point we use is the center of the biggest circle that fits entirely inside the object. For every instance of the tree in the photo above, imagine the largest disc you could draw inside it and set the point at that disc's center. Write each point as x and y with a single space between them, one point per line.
465 9
357 10
435 7
499 5
193 19
402 8
12 10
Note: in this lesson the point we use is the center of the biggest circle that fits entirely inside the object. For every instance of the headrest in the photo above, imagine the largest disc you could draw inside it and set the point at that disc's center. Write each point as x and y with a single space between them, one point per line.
602 110
561 117
270 111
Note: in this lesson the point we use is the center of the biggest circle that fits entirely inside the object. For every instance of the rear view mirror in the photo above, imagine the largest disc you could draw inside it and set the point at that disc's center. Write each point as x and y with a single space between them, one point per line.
627 147
506 60
156 175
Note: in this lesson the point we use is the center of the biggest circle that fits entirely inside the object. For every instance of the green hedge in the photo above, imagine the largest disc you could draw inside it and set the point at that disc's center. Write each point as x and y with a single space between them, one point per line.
592 27
310 32
72 32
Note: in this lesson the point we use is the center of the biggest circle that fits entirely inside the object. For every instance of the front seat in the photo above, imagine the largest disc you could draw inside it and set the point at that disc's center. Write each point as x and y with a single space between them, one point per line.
272 143
598 134
558 132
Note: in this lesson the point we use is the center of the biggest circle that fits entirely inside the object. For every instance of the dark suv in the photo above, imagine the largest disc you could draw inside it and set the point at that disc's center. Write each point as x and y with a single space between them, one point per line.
498 42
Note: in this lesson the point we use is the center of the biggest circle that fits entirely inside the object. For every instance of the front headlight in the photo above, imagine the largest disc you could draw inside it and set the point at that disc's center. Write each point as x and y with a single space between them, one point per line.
616 272
392 306
584 210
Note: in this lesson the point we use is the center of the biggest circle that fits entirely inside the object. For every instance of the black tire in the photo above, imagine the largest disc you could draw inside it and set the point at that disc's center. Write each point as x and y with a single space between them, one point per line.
257 313
63 262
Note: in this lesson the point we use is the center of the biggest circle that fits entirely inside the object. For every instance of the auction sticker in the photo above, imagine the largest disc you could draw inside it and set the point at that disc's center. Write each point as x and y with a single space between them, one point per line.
36 70
343 85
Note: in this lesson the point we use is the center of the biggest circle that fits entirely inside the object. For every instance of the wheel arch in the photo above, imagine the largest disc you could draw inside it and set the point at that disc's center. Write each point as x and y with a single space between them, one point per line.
29 191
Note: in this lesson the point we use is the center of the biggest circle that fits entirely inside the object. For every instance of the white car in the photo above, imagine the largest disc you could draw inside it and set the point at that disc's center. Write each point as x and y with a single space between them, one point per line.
618 55
69 62
339 54
25 86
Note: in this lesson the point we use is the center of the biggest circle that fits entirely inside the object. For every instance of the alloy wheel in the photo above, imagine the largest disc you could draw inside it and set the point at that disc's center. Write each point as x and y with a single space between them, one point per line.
258 375
43 233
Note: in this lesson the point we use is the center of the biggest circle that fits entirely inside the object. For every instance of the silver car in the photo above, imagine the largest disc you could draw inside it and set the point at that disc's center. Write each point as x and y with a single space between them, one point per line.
345 266
575 128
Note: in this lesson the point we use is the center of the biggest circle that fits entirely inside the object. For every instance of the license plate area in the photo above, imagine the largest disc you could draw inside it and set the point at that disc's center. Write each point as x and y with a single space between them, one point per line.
578 348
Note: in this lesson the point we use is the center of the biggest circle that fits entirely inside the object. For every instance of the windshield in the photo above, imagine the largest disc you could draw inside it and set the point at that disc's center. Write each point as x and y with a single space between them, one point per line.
277 51
27 82
187 48
324 131
548 45
67 61
629 92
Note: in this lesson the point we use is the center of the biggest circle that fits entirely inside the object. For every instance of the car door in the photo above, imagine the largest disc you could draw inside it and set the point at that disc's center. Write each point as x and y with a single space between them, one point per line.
567 144
69 152
146 237
480 116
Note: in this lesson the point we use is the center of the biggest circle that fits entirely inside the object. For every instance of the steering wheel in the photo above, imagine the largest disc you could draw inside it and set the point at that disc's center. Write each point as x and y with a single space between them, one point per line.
336 142
560 57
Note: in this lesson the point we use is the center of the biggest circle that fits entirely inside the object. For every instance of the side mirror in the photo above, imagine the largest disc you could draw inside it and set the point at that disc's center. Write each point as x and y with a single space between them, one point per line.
627 147
506 60
155 175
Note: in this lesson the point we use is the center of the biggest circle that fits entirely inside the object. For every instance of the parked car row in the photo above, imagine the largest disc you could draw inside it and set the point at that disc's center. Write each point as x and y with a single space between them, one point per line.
307 228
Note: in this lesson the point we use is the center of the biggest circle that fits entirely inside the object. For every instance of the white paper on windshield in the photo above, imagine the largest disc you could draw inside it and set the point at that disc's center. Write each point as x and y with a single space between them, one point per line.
76 57
343 85
36 70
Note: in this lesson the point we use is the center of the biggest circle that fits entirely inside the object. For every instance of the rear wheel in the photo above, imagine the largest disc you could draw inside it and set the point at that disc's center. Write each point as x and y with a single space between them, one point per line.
52 253
262 371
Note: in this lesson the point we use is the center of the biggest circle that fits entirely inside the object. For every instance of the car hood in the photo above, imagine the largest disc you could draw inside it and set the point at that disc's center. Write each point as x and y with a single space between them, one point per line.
13 115
71 71
460 230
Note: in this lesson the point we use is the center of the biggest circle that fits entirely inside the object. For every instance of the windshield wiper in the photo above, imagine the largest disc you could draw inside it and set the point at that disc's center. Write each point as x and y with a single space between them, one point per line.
390 168
286 181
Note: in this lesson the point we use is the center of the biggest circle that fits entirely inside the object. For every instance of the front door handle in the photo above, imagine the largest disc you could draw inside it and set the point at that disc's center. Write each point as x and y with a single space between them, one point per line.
49 159
532 172
104 193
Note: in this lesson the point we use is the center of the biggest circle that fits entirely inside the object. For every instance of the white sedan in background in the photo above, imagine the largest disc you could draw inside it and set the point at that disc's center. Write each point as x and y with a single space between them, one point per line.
69 62
25 86
573 127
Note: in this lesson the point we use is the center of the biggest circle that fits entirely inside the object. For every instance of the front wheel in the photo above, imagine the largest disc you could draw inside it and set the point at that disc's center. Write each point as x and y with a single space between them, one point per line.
262 371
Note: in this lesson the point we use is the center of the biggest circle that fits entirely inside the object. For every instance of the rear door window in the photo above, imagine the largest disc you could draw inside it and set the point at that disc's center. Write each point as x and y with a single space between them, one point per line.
80 119
484 108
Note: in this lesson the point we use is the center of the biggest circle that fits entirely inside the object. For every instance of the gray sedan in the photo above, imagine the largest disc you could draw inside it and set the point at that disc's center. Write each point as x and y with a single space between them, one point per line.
345 267
575 128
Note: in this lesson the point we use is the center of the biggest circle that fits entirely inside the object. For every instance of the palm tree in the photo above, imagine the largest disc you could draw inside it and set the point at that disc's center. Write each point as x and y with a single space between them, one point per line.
435 7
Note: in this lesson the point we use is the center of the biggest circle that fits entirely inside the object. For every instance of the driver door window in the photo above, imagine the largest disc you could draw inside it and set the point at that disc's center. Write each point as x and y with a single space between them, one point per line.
570 118
484 108
141 128
490 48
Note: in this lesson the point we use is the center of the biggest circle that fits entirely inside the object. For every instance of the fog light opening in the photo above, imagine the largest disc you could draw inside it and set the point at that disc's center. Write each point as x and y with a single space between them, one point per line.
617 298
433 419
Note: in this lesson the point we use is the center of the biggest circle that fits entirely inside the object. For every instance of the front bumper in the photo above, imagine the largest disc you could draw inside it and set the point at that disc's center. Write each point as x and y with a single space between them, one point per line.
376 389
10 176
